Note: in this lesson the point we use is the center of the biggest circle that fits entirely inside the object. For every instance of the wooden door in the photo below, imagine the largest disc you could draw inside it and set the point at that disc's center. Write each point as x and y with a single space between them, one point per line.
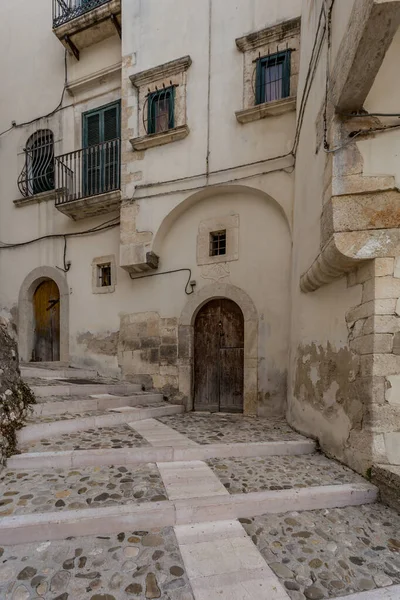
46 302
219 357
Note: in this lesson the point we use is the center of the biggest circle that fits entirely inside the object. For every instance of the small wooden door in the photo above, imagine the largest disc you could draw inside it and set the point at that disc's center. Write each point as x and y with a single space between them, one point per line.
46 302
219 357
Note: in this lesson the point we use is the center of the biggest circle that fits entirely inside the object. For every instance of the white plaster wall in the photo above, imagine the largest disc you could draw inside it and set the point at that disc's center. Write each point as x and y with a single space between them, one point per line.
381 153
157 32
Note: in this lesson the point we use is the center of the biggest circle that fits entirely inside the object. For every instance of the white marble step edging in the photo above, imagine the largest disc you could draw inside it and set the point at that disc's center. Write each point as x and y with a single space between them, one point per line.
80 389
37 431
158 434
94 402
22 529
222 562
388 593
134 456
58 373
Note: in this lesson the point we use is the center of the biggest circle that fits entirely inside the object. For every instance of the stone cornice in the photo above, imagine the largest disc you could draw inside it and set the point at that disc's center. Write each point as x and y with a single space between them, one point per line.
276 33
169 69
94 79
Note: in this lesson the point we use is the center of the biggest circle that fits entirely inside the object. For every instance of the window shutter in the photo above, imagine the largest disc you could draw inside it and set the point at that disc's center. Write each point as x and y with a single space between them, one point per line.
92 130
259 82
111 123
286 75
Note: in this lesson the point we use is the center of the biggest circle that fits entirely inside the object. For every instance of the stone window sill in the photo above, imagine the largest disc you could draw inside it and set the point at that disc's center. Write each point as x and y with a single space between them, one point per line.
109 289
36 198
268 109
159 139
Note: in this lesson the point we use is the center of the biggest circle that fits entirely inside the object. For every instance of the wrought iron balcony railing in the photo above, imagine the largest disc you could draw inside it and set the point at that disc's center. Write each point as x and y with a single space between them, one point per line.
66 10
88 172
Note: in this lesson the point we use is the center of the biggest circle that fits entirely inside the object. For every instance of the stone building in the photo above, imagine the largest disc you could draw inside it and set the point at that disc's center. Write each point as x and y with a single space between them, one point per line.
198 196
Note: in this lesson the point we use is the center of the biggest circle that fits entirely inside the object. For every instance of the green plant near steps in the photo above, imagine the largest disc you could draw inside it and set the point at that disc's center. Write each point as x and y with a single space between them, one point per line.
15 395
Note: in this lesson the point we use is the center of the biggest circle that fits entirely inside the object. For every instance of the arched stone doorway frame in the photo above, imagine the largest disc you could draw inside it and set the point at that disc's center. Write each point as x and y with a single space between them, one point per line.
186 341
26 320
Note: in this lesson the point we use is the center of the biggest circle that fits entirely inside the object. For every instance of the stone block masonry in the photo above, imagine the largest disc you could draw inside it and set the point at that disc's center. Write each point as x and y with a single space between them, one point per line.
148 351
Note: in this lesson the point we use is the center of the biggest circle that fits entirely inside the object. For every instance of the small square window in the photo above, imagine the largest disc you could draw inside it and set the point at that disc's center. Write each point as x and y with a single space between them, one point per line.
160 112
218 243
273 77
104 275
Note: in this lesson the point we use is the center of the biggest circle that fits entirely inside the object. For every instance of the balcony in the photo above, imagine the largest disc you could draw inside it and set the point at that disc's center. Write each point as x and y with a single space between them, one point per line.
87 181
81 23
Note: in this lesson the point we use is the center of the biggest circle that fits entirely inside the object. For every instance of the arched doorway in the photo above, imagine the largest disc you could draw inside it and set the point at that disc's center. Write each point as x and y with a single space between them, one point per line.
46 308
219 357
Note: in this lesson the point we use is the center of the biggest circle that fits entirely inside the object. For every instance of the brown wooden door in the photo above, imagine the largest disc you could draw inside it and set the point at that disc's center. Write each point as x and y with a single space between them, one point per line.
218 357
46 302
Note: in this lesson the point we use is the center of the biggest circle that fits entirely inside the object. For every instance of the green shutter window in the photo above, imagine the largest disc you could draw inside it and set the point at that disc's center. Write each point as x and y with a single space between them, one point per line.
160 110
101 154
273 77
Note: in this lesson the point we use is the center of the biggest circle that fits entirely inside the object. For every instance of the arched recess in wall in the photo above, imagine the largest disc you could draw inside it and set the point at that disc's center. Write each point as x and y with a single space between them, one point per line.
186 341
219 190
26 317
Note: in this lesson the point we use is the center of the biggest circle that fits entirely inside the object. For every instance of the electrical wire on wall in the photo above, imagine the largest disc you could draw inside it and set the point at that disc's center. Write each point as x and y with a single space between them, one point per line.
190 284
66 264
51 113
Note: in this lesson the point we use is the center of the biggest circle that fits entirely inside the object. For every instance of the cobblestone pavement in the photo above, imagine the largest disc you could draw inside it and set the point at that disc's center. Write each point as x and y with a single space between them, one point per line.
329 553
120 436
228 429
243 475
138 564
87 487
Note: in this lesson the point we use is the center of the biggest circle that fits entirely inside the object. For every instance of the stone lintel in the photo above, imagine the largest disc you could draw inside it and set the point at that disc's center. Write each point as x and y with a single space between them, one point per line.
267 109
372 26
267 35
169 69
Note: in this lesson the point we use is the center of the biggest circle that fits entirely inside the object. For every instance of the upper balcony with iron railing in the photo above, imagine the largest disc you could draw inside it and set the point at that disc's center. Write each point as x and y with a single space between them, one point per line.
81 23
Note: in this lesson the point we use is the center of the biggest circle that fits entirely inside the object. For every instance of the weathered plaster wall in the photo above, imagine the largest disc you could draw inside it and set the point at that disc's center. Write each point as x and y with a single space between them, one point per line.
149 334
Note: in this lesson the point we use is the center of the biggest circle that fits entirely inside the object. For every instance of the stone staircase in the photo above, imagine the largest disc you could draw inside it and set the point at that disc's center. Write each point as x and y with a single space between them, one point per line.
118 494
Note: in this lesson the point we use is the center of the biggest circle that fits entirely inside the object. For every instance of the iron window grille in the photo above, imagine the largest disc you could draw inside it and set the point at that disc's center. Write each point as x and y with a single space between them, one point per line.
218 243
66 10
37 175
104 275
273 77
159 116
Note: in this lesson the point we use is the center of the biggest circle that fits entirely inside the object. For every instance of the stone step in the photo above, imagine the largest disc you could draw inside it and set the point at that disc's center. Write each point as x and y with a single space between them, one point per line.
130 456
41 430
48 490
115 567
332 552
37 371
23 529
94 402
85 389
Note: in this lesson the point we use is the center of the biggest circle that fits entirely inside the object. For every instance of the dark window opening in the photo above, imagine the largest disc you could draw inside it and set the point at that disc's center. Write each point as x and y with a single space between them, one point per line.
104 275
218 243
273 77
37 175
160 111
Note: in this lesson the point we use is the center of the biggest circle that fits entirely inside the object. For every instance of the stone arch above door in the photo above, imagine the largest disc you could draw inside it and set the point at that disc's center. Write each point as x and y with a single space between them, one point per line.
26 313
185 341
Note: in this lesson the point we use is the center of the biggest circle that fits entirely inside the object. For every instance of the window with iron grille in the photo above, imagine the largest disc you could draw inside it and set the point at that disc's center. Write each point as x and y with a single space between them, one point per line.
37 175
273 77
160 111
104 275
218 243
